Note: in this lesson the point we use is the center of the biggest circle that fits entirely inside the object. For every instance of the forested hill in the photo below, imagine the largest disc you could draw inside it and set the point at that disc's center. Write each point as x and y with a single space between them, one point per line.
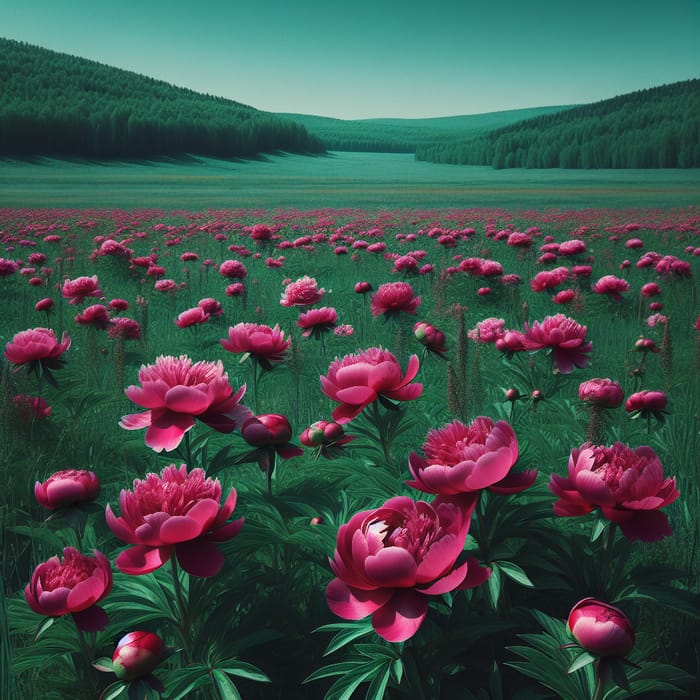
55 104
654 128
405 135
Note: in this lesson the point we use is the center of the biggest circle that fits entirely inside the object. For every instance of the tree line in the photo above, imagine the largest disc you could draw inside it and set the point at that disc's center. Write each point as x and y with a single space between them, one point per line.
654 128
56 104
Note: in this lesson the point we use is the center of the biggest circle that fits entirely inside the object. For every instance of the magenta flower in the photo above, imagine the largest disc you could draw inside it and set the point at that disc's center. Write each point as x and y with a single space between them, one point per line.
303 292
601 392
394 298
317 321
137 655
600 628
387 562
96 315
174 513
67 487
31 407
627 485
233 269
191 317
78 289
72 585
356 381
429 336
565 337
612 286
646 403
37 347
175 391
467 458
264 344
487 331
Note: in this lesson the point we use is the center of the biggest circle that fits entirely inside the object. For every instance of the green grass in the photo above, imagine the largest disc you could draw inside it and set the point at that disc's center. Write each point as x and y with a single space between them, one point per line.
364 180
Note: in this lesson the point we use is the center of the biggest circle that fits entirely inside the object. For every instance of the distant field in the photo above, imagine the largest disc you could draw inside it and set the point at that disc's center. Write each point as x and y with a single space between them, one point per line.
367 180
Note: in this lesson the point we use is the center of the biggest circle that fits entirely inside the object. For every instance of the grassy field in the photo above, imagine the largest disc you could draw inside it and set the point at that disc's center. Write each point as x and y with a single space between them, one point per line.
367 180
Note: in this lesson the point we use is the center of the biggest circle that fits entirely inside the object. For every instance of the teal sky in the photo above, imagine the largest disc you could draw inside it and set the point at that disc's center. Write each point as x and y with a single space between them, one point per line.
379 58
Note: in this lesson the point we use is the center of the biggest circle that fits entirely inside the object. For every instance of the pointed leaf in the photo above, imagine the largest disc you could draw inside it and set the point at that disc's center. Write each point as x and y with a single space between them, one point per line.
225 686
580 661
513 571
244 670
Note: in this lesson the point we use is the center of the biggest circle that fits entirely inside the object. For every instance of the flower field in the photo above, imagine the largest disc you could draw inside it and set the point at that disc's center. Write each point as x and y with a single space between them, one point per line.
350 453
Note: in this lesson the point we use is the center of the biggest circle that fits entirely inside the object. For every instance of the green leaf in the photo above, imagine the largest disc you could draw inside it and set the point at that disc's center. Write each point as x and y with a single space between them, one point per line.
338 669
114 690
377 687
598 528
344 687
225 686
376 651
513 571
494 587
619 675
397 668
43 626
348 631
104 664
244 670
580 661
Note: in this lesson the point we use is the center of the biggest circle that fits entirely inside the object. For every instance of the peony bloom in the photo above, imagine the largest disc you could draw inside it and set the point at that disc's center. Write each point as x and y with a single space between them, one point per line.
627 485
487 331
234 289
45 304
37 347
191 317
612 286
600 628
31 407
271 433
387 562
124 327
363 287
392 298
466 458
73 585
81 287
303 292
137 655
431 337
118 304
601 392
233 269
565 337
176 391
651 289
264 344
177 512
317 321
356 381
67 487
646 403
96 315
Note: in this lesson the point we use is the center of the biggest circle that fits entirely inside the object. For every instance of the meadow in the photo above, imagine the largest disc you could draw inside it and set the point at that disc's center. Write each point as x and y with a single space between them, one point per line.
447 400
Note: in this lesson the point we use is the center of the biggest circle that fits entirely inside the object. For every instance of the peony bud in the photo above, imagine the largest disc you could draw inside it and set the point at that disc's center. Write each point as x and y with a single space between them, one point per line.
266 430
67 487
137 655
601 629
601 392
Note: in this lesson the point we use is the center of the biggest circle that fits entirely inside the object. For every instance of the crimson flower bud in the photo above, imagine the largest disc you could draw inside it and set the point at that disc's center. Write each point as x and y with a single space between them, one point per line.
137 655
267 430
66 488
601 629
601 392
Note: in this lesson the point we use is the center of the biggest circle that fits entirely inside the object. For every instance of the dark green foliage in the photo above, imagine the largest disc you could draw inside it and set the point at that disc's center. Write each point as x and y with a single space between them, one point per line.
405 135
57 104
654 128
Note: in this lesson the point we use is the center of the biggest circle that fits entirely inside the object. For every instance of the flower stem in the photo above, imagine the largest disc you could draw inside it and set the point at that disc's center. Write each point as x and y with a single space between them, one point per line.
184 622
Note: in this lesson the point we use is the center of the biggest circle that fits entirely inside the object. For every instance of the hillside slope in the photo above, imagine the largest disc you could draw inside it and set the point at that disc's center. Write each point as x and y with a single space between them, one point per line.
57 104
405 135
654 128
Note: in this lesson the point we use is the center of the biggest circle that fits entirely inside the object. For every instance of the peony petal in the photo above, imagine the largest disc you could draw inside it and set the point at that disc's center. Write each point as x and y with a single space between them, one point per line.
356 395
352 603
165 432
85 593
226 532
181 528
136 421
64 491
449 582
391 567
142 559
188 399
53 602
200 557
515 482
400 618
647 526
92 619
119 527
593 489
476 574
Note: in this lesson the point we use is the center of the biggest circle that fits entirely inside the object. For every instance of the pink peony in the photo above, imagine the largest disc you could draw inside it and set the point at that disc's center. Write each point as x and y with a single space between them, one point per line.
612 286
175 391
31 407
388 560
430 337
465 458
137 655
124 327
191 317
627 485
78 289
356 381
393 298
96 315
37 346
565 337
303 292
233 269
601 392
174 513
72 585
487 331
316 321
600 628
67 487
264 344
